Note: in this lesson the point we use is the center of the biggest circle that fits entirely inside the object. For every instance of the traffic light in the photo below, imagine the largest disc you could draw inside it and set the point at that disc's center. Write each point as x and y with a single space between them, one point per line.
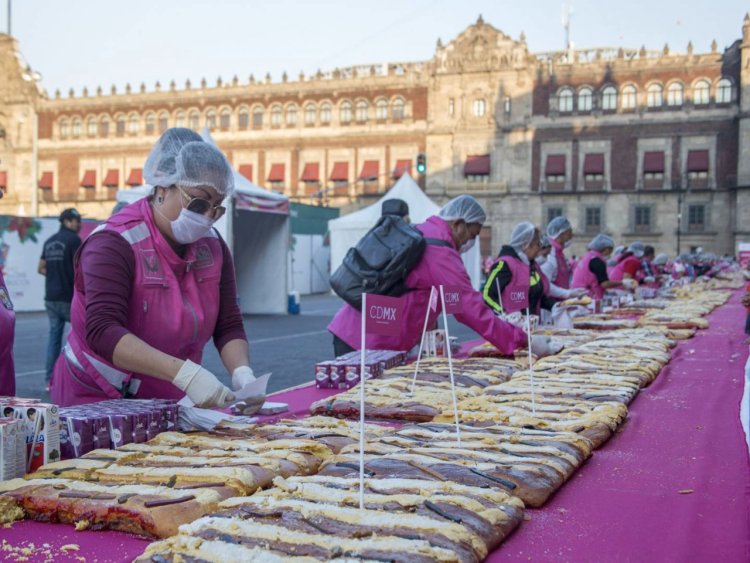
421 163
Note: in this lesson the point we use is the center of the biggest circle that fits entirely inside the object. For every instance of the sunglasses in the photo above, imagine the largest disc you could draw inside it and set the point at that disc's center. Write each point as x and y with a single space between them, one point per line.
202 206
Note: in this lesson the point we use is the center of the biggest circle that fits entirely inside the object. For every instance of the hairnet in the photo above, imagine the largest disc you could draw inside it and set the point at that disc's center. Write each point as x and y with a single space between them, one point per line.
180 157
600 242
522 235
660 259
544 242
637 248
463 207
557 226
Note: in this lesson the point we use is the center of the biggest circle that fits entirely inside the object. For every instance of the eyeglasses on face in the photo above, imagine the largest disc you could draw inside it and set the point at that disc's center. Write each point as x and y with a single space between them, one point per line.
202 206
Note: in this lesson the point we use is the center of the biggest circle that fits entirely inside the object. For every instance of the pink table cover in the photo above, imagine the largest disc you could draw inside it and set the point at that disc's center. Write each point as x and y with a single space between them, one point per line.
672 485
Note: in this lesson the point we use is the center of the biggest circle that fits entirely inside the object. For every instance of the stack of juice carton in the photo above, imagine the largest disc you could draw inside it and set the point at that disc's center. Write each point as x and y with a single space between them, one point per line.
36 426
345 371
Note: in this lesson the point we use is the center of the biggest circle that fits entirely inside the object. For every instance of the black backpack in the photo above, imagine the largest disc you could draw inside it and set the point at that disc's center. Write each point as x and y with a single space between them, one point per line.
380 261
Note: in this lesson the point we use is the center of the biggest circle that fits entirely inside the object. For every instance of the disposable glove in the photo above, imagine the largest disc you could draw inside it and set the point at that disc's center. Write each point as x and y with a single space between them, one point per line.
629 283
241 376
202 386
649 279
543 346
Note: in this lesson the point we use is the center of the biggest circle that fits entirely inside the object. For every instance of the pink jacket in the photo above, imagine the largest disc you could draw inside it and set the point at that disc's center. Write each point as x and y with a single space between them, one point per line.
563 272
618 270
585 278
439 265
174 307
7 331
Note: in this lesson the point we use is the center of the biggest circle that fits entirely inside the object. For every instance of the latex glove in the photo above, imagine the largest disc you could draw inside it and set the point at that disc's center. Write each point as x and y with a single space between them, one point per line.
629 283
649 279
202 386
577 292
241 376
541 345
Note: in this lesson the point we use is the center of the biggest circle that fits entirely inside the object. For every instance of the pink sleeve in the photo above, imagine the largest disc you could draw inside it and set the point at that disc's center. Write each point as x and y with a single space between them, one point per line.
229 325
450 271
104 273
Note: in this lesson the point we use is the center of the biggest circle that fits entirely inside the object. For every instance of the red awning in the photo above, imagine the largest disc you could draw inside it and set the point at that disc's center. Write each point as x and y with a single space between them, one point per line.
370 170
555 165
401 167
653 162
697 161
311 173
112 179
593 164
247 171
89 179
340 172
477 165
136 177
277 173
3 179
47 181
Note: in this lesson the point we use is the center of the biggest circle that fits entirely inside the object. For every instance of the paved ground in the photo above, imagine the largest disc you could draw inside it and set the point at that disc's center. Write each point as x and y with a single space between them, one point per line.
287 345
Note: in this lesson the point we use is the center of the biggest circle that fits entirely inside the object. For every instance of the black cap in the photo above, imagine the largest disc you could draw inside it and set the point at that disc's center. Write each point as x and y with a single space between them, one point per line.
395 207
70 214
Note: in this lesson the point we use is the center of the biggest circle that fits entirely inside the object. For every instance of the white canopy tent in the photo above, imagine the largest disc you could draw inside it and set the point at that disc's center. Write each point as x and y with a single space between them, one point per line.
347 230
256 229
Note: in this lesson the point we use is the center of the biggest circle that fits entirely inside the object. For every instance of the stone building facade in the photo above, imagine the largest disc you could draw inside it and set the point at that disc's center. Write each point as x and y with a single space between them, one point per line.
639 144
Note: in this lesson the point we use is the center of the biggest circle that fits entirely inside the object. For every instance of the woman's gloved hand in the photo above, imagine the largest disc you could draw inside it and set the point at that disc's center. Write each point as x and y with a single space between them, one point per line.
629 283
543 346
202 386
577 292
241 376
649 279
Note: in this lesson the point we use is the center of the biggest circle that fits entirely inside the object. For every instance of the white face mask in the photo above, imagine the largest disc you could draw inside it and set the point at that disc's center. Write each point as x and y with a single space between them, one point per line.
567 243
468 245
540 260
190 226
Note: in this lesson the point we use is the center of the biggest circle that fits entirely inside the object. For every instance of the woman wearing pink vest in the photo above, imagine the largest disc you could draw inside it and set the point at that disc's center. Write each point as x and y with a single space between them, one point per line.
555 267
7 331
458 223
591 271
629 264
153 285
516 277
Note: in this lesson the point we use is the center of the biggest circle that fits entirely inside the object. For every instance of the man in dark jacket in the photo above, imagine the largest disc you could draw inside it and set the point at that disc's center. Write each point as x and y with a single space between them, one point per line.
56 264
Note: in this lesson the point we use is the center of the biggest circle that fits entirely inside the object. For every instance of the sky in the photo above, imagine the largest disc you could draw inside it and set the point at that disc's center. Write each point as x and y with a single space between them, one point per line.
105 42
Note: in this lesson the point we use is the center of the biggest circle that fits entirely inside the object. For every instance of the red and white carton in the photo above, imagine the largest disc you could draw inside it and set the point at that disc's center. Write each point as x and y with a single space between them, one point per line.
41 426
12 449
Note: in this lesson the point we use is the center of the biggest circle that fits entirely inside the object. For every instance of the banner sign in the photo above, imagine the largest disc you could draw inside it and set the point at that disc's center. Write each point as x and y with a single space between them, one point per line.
383 315
453 303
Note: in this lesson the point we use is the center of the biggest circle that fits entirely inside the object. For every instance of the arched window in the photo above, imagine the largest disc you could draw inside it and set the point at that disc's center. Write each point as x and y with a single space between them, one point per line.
479 108
310 114
585 99
675 94
362 110
150 123
702 93
724 91
195 119
629 97
91 127
163 121
381 110
133 124
609 98
64 128
225 118
243 119
654 96
345 112
257 117
180 119
211 119
276 115
104 126
76 127
325 113
565 100
120 125
398 109
291 115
